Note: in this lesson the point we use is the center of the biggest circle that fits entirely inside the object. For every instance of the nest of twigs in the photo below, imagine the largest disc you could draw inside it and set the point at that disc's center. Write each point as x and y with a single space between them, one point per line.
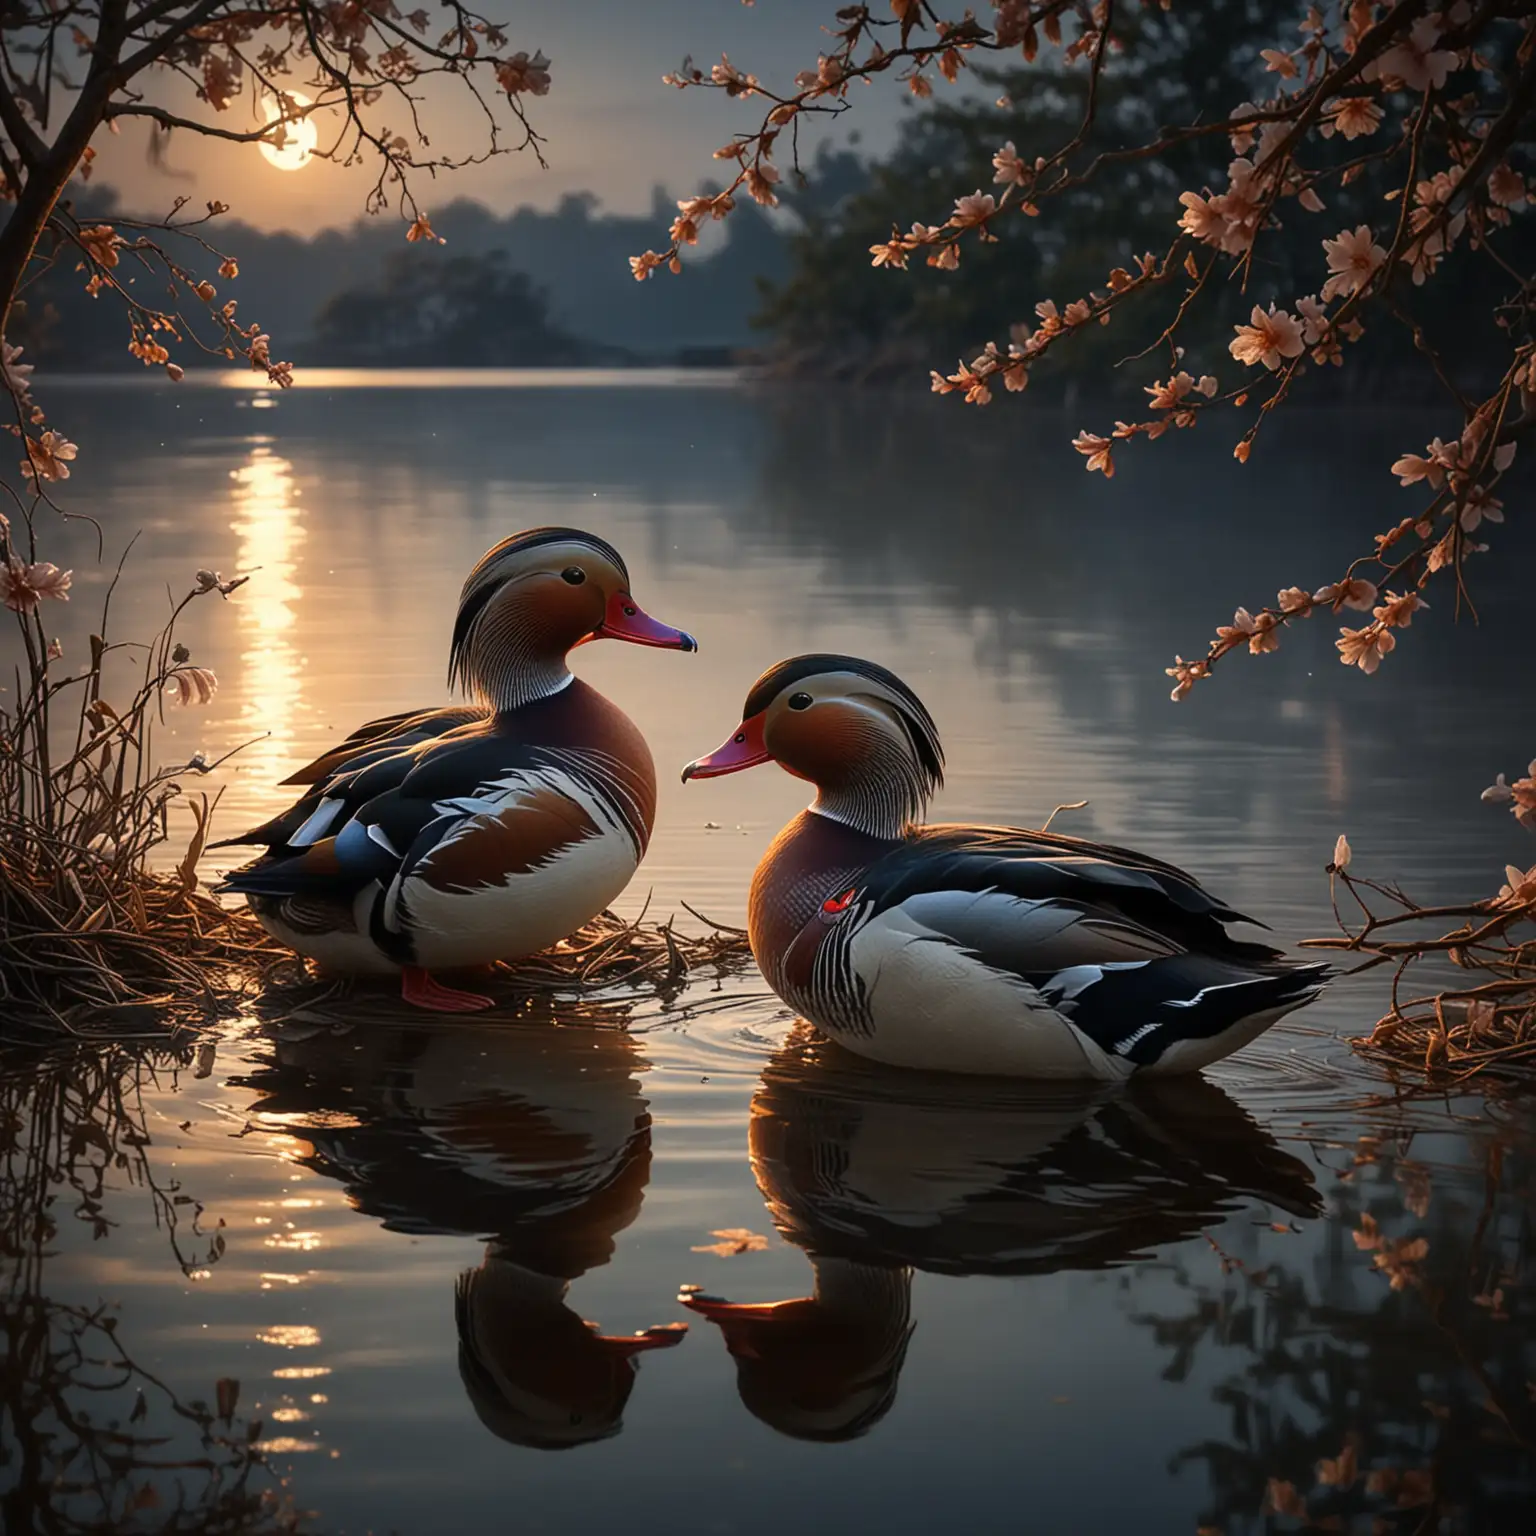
88 950
154 954
607 960
1484 1028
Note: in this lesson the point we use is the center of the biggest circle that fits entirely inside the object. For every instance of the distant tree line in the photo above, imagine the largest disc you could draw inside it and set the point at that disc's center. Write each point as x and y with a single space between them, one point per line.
573 257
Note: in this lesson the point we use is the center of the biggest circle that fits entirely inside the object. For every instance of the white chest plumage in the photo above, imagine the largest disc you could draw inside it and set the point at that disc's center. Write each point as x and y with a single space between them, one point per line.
508 913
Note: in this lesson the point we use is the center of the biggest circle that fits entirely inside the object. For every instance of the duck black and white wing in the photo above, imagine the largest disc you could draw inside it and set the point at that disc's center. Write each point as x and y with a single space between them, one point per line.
993 950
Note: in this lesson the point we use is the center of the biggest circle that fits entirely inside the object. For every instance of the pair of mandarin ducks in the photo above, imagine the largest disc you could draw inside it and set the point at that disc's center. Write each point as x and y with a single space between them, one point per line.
442 840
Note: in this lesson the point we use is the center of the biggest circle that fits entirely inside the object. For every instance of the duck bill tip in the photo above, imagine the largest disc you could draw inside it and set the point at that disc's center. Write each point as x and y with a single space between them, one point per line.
662 1336
624 619
746 749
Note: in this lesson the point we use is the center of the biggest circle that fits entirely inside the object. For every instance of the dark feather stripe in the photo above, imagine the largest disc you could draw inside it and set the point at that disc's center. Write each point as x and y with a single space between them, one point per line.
1138 1014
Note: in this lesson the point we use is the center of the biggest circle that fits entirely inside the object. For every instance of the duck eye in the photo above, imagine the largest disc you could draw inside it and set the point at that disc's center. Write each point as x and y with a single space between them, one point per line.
800 701
574 574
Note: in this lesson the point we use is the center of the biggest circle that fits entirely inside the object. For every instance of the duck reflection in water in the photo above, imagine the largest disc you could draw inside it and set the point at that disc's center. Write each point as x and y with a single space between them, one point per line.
535 1138
875 1173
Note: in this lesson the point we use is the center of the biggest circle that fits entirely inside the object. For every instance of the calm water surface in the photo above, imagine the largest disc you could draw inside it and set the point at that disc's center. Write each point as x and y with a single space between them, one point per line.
1001 1309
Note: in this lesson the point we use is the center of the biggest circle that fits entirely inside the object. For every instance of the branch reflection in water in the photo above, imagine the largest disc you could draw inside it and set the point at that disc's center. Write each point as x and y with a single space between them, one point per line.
535 1138
91 1440
877 1173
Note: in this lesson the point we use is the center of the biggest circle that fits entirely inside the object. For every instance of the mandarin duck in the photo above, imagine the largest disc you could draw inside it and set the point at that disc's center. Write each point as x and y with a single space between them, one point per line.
535 1136
969 948
454 838
877 1174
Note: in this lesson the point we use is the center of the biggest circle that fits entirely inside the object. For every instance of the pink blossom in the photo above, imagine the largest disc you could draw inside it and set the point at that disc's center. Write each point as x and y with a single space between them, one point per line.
48 456
1314 319
1355 593
1264 639
1164 397
1415 60
760 180
1519 886
16 375
1399 609
1242 137
1294 600
521 73
1480 507
1411 468
1364 648
1506 186
1243 624
1499 792
1185 675
1355 116
1271 336
1097 451
22 586
1353 259
1009 167
975 209
1202 218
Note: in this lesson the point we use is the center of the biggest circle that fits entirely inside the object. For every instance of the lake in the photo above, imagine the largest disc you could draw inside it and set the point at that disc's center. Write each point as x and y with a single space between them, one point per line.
351 1265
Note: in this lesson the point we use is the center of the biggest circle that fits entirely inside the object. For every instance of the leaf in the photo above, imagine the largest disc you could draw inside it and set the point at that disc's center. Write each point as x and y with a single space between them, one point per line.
97 919
734 1240
202 812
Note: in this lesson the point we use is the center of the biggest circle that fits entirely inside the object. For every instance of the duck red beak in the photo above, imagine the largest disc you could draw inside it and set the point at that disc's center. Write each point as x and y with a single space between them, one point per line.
740 1322
625 619
746 749
662 1336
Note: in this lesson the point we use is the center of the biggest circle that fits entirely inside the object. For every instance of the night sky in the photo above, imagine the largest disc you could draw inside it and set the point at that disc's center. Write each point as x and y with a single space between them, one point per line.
612 127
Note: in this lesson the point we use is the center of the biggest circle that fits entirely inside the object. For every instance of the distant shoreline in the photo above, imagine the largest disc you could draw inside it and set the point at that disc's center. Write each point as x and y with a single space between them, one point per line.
315 377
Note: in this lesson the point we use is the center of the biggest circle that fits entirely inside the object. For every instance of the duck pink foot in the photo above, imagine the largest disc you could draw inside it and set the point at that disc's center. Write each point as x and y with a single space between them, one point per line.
418 987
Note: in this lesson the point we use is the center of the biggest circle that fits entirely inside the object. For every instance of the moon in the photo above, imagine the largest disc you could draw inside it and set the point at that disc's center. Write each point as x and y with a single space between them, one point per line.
302 137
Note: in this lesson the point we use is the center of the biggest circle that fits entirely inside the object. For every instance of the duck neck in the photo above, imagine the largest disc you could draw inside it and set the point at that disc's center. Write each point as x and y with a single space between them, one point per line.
869 806
513 681
873 1295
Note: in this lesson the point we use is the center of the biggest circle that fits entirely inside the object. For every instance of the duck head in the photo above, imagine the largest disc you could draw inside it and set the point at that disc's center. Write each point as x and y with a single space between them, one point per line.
851 728
535 1372
823 1366
530 601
